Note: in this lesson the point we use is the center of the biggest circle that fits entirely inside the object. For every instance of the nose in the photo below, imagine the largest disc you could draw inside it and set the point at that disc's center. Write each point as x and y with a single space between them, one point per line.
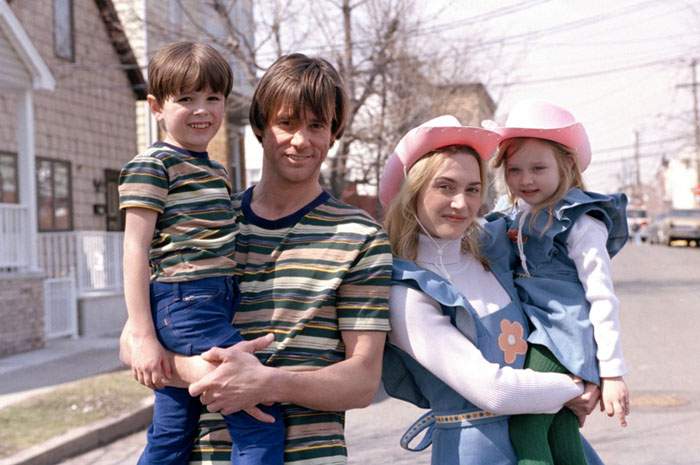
300 138
458 201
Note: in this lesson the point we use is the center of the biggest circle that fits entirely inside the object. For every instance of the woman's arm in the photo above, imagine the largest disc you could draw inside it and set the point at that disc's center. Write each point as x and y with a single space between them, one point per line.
421 330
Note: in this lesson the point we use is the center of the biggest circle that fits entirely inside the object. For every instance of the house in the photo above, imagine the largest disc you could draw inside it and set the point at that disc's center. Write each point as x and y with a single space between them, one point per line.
150 24
67 93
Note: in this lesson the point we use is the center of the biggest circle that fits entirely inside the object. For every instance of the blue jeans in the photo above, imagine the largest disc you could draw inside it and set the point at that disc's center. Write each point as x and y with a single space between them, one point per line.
190 318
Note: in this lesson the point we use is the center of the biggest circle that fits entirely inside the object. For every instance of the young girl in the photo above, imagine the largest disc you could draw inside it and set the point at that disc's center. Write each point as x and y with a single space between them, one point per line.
564 238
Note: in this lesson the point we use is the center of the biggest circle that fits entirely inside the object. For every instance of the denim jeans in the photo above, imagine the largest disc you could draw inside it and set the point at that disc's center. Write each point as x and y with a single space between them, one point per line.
190 318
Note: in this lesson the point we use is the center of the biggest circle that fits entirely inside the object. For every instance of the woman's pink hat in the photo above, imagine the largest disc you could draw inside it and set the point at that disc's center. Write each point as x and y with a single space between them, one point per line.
544 120
433 134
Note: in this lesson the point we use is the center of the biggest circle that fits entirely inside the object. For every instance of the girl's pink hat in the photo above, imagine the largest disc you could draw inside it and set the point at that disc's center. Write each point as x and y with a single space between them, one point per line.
433 134
544 120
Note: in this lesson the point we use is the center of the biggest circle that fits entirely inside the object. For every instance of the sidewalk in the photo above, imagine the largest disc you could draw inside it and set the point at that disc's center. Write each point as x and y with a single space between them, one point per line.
62 361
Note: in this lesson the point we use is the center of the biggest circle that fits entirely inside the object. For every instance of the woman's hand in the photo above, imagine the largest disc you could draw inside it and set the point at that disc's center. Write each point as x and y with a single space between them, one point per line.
584 404
615 399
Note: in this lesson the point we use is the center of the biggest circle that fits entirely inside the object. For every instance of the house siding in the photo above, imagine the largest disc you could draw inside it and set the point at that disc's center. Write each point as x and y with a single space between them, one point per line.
89 120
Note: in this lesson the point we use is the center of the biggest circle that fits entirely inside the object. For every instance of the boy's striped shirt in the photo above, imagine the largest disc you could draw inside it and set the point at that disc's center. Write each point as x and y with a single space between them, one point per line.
306 278
195 232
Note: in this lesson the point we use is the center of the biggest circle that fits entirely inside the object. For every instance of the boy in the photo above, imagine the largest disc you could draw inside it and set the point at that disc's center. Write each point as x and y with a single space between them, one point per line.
178 253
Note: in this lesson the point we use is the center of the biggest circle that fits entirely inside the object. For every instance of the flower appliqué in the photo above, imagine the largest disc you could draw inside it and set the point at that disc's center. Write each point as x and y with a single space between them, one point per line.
511 340
513 235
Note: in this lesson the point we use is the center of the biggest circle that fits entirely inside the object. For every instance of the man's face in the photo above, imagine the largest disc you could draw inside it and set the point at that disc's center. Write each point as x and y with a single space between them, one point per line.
294 149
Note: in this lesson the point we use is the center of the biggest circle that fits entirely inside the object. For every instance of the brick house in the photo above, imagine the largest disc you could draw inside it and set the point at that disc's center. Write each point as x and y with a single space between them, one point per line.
67 125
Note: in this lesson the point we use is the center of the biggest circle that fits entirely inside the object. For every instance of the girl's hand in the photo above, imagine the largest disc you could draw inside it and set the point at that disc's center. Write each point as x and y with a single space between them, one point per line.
151 364
615 399
584 404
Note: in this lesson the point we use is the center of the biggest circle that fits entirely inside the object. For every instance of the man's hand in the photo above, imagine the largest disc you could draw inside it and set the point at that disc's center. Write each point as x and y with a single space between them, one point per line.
584 404
151 364
240 382
615 399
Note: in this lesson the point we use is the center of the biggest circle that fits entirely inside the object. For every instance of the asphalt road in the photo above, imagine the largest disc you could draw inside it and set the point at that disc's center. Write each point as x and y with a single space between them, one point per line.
659 289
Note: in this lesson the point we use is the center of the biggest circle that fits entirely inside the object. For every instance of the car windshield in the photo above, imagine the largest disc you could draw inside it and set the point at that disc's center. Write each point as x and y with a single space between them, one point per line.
691 213
635 213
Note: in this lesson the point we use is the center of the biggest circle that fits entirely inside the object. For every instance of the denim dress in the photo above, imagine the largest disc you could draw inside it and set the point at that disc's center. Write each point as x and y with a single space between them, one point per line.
460 432
551 293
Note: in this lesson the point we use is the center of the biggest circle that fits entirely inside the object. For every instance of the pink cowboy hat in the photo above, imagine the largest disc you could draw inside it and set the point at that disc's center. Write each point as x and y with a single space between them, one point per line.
544 120
433 134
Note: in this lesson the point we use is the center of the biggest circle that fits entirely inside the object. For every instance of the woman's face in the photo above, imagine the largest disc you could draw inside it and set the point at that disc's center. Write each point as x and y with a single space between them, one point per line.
449 202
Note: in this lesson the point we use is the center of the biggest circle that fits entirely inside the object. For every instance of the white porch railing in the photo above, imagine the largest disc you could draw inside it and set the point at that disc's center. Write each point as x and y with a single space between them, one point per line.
14 247
94 258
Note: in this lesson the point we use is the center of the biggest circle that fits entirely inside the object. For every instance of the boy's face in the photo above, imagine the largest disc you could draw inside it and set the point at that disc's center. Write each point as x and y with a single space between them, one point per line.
191 119
294 149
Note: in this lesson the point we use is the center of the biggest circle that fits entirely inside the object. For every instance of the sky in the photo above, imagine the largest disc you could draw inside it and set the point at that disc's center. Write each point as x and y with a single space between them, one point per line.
616 65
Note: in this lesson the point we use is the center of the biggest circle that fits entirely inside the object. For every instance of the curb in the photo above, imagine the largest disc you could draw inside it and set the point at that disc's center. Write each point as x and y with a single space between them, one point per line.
85 438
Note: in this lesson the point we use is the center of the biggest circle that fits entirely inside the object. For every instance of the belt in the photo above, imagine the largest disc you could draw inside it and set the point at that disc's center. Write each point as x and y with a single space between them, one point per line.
430 421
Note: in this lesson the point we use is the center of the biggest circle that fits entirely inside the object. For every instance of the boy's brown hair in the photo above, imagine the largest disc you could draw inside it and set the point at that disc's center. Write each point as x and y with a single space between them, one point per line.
185 67
301 83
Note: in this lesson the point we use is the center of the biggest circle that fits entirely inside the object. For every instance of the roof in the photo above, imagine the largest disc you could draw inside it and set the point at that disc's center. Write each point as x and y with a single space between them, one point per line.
42 79
121 45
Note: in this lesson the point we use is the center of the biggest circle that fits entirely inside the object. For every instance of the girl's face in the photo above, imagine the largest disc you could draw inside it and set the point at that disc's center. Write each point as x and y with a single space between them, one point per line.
532 172
449 202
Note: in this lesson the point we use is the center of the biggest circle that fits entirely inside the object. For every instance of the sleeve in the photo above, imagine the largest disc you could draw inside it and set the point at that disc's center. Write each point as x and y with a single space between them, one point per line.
586 245
416 319
143 183
362 302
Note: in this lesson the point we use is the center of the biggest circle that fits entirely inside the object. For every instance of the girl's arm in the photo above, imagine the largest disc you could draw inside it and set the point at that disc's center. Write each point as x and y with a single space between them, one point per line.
421 330
586 245
150 364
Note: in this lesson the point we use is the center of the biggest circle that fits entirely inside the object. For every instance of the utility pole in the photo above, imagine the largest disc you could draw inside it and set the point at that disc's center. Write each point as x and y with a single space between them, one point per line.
696 118
638 180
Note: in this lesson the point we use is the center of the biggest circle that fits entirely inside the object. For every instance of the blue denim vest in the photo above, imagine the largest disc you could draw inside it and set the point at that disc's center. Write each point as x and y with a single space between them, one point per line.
552 296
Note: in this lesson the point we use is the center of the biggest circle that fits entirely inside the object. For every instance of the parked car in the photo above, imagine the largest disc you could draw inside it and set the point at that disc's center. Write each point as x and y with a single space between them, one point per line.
637 222
674 225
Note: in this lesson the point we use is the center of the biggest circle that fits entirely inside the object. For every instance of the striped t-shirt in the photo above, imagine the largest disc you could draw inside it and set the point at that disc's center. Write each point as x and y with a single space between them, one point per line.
195 232
305 278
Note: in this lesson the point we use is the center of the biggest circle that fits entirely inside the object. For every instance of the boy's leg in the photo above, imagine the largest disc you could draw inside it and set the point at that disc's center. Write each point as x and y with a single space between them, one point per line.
255 442
171 434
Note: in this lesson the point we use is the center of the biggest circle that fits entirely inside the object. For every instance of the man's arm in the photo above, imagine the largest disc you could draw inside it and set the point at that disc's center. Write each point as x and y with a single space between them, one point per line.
240 381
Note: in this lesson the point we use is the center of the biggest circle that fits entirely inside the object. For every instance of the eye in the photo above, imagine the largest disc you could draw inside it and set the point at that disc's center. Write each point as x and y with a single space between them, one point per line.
183 98
444 187
512 170
317 125
473 190
214 98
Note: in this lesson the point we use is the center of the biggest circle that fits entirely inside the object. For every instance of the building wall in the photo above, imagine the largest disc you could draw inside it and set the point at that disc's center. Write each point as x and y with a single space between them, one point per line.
89 119
21 313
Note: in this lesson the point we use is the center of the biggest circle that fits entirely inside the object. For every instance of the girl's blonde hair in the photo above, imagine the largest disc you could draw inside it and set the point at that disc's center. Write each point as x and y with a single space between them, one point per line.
400 221
569 172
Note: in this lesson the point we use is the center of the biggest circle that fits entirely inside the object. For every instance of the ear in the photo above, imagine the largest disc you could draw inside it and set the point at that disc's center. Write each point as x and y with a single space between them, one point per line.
155 107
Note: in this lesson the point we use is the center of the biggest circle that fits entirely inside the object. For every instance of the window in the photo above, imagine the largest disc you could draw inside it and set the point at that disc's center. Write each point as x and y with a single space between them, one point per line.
115 217
63 42
54 200
8 178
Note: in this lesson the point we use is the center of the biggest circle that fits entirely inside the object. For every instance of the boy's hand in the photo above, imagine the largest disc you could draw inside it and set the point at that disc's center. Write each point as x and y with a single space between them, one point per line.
584 404
615 398
151 364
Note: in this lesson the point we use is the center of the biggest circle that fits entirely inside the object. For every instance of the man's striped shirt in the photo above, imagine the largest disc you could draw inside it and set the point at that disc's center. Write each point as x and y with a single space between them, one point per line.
195 232
305 278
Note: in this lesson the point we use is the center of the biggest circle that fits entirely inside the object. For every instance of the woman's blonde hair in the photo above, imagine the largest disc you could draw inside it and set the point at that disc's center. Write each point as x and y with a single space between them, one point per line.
401 222
569 172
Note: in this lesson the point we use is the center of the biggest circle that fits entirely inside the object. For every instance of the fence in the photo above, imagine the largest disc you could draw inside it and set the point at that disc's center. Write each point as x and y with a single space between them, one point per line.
14 223
94 258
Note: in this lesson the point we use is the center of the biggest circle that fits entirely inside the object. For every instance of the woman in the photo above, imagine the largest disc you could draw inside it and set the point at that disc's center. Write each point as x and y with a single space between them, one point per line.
458 332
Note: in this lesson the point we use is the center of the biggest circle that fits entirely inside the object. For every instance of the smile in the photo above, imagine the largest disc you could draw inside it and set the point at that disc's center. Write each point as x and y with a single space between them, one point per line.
297 157
199 125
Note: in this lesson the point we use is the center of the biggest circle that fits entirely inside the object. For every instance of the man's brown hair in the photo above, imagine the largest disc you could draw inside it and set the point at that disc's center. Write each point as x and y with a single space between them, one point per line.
301 83
185 67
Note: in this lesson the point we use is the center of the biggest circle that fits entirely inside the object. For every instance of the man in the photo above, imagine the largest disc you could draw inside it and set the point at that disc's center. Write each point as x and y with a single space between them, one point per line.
312 270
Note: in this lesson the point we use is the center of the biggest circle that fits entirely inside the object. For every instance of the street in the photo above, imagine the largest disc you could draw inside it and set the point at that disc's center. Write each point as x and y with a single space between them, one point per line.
659 289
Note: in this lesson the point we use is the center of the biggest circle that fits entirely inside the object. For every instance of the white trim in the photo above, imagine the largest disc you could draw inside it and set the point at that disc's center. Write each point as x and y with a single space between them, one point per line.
26 164
42 79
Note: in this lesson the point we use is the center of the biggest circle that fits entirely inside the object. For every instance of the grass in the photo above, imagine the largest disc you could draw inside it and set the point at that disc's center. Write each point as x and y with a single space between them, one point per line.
44 416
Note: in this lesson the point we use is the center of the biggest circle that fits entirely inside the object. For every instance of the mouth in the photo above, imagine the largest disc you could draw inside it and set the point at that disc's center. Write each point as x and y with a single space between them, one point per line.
455 218
296 157
203 125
